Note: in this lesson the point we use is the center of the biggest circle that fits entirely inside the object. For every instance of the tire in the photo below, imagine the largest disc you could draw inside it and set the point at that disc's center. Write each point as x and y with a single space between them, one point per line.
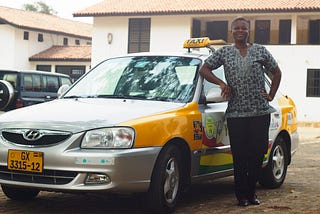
6 94
274 174
165 187
19 194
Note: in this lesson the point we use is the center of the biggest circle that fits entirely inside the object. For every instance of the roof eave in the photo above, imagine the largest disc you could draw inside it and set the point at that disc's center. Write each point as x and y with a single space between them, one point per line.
60 59
146 13
44 30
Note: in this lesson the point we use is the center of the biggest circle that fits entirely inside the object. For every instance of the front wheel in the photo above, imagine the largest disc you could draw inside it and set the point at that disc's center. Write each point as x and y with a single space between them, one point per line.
165 187
274 174
19 194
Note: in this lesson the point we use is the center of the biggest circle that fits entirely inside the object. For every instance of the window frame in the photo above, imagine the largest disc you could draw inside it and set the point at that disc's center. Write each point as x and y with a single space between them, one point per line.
139 31
262 32
313 83
40 37
285 31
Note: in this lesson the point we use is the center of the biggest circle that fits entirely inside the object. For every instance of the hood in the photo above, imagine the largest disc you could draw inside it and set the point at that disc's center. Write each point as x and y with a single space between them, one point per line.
76 115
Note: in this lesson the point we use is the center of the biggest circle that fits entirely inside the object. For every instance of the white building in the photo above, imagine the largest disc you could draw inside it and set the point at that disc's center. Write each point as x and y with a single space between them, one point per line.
31 40
289 29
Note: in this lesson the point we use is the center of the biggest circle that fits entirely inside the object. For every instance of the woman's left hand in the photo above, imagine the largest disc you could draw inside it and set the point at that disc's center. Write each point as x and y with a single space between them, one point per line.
266 95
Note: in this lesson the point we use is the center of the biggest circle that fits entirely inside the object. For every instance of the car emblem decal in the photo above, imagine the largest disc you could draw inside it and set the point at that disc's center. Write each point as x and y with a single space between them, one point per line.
32 135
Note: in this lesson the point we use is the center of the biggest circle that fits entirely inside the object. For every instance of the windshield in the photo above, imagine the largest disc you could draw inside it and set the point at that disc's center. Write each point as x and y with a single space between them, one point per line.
165 78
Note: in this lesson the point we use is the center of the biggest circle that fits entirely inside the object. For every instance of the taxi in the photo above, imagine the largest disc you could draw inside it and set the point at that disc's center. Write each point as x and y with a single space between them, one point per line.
138 123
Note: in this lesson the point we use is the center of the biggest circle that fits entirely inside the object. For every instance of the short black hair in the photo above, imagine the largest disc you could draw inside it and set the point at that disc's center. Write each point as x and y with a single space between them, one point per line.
240 18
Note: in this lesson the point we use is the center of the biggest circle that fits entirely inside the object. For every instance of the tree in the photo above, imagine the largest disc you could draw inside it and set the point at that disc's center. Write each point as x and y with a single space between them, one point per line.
40 7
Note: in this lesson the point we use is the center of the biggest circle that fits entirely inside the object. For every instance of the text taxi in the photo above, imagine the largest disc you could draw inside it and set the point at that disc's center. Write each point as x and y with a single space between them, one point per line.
137 123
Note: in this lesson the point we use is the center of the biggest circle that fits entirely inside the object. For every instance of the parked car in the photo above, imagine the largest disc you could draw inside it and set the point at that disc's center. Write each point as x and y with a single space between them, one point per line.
27 87
145 122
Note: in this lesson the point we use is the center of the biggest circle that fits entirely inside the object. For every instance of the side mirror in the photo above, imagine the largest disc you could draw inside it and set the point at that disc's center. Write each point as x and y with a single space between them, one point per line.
62 89
214 95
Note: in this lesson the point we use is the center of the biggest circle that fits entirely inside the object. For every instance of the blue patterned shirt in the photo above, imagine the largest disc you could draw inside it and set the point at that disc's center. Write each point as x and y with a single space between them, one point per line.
245 76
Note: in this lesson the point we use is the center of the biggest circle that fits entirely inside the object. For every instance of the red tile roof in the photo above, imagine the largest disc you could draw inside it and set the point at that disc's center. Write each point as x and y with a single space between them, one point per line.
154 7
44 23
64 53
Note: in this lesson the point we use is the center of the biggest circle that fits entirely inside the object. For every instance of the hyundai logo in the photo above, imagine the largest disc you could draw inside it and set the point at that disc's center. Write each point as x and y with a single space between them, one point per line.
32 135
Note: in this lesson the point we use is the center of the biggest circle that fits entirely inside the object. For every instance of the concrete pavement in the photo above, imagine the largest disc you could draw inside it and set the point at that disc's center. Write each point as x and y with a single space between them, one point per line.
309 133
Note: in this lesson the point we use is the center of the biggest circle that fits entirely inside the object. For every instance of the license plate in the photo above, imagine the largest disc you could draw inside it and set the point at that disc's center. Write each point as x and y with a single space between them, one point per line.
28 161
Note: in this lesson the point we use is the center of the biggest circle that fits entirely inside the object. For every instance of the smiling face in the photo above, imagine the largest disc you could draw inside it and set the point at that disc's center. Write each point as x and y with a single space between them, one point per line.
240 31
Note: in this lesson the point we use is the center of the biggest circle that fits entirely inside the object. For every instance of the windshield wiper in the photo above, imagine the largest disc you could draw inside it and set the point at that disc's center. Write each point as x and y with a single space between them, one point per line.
112 96
143 97
71 97
76 96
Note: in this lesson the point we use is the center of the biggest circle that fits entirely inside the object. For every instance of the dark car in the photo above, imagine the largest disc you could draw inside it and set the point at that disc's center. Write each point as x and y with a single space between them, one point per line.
19 88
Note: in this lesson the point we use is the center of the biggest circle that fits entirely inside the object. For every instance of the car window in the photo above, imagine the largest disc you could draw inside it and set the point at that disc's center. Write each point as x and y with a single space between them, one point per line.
50 83
167 78
208 85
32 82
27 82
36 82
65 81
11 78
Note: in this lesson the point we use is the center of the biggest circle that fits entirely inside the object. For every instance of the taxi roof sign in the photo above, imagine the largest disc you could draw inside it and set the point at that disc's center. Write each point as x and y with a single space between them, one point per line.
202 42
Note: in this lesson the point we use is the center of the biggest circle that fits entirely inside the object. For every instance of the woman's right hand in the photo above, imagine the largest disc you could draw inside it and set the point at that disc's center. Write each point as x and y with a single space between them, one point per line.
226 91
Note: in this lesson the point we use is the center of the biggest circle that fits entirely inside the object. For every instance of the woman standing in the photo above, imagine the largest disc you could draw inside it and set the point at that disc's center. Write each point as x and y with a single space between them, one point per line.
248 112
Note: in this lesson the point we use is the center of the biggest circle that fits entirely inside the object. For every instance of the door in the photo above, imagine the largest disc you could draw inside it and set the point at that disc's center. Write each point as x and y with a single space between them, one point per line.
216 152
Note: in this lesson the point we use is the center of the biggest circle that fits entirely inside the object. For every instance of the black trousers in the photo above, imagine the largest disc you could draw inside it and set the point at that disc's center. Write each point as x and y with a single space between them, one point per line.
249 142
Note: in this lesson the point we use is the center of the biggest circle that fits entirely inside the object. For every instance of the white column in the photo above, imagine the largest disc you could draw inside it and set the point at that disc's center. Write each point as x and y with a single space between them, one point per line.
294 28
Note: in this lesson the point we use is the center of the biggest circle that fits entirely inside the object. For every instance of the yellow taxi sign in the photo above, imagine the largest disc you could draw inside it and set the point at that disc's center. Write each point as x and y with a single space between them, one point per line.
202 42
197 42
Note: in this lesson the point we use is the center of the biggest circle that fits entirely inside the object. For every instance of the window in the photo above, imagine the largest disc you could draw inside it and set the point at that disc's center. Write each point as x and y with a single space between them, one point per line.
25 35
285 31
218 30
262 32
196 28
139 35
65 41
313 83
314 31
40 37
77 42
74 71
44 68
31 82
50 83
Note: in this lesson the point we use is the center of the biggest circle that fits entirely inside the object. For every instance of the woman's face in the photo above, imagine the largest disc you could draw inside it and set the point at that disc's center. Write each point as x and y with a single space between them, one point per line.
240 31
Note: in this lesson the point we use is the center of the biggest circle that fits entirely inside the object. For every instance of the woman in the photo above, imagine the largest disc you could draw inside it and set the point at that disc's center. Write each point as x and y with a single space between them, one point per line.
248 112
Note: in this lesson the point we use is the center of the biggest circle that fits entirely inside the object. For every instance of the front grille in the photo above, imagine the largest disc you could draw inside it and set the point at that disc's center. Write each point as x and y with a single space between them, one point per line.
47 137
55 177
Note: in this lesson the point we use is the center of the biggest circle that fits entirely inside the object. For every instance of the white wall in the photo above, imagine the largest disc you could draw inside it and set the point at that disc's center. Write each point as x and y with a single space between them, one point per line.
15 51
169 32
7 45
294 61
118 27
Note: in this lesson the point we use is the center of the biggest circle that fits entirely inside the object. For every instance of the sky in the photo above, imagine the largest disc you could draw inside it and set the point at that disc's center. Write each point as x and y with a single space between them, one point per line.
65 8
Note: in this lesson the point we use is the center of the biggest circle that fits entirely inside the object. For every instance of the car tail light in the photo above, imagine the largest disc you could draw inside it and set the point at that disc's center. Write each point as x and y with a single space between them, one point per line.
19 103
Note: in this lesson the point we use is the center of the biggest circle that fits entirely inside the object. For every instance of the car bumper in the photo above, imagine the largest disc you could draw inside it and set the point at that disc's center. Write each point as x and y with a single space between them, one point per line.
68 168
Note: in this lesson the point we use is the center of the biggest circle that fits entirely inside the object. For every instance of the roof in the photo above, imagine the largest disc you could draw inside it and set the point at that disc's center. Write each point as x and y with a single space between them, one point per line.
44 23
163 7
64 53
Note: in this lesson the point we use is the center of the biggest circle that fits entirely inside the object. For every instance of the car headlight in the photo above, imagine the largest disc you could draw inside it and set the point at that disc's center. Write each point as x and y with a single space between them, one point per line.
109 138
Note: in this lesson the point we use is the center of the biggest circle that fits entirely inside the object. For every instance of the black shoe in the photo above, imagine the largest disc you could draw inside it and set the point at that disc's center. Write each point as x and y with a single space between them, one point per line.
254 200
243 202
